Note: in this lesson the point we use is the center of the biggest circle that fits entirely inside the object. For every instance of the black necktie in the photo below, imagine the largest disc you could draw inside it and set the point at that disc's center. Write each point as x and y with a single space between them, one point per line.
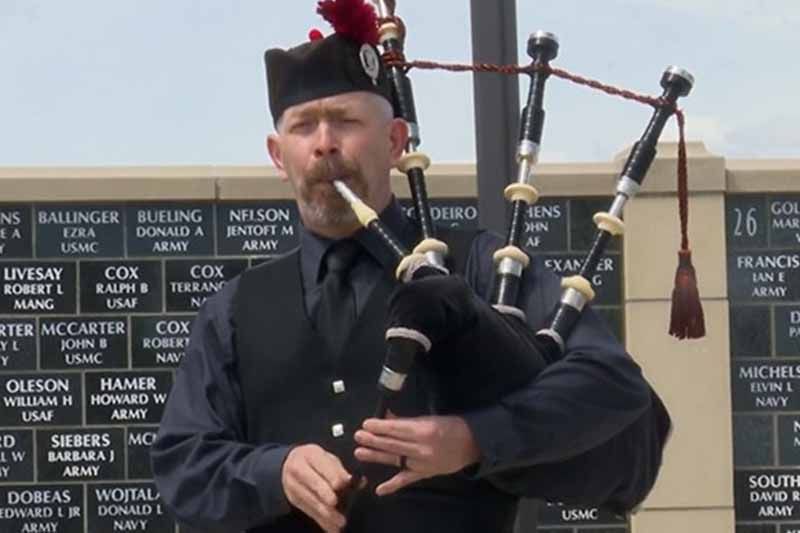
336 311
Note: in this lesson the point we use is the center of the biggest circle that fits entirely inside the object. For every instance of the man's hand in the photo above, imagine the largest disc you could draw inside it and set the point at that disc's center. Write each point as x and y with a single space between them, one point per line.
431 445
311 477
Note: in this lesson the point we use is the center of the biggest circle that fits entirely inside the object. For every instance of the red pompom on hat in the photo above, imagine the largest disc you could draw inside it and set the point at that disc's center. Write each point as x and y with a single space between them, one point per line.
353 19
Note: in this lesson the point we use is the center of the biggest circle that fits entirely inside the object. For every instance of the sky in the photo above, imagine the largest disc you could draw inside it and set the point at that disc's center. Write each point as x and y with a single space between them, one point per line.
149 82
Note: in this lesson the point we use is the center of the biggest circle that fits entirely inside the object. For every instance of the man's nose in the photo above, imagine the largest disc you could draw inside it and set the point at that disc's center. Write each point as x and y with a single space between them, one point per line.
327 140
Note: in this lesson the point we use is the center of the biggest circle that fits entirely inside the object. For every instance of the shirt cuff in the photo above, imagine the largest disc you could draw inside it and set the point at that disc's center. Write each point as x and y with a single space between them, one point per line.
269 485
492 429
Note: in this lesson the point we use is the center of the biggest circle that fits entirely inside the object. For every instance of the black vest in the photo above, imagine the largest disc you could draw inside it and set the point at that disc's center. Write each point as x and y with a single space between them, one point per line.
291 388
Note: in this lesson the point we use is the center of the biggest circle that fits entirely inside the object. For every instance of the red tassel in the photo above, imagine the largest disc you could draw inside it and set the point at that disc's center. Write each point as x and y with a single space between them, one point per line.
315 35
354 19
687 320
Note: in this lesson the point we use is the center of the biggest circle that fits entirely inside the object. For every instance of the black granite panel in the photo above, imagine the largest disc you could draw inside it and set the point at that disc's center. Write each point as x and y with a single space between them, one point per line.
753 440
787 528
750 331
16 237
121 286
84 342
746 221
26 508
79 231
583 229
170 229
607 281
119 507
787 330
448 212
81 454
765 385
16 455
756 528
545 226
764 276
613 319
126 397
37 288
159 341
767 495
789 439
139 441
40 400
257 228
190 282
17 344
564 515
784 213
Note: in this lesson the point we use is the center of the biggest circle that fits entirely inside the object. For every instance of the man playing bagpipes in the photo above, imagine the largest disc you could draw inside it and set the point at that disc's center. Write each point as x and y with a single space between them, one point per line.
269 424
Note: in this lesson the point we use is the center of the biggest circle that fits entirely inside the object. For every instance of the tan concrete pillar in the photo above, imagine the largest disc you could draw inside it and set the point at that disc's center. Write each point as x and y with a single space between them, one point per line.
695 489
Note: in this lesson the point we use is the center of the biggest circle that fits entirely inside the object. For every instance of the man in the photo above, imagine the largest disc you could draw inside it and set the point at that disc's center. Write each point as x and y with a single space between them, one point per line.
263 427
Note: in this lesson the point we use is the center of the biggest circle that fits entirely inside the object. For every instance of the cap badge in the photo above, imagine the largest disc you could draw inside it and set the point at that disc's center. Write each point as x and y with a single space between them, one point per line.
370 62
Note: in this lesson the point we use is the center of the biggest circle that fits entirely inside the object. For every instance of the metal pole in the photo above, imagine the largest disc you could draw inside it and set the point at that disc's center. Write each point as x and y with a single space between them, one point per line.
496 96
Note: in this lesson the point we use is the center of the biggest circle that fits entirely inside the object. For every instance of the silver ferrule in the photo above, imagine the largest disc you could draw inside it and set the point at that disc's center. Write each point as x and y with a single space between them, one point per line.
436 259
573 298
383 9
618 205
392 380
553 334
628 187
511 266
528 150
414 139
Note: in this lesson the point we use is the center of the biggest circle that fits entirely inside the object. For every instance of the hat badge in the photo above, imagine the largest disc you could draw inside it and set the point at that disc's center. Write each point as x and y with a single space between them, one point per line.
370 62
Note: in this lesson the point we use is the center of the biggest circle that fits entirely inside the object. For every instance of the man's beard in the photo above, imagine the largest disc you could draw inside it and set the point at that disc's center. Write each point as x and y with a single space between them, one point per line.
320 203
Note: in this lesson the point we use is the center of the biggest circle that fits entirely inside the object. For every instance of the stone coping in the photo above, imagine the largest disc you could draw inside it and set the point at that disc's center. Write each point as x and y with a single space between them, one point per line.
707 173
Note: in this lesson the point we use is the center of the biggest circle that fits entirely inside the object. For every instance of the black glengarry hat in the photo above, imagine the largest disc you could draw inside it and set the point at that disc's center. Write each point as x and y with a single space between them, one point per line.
342 62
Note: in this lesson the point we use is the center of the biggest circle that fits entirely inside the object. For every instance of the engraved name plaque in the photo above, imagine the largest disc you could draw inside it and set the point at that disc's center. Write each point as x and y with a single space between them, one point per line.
40 399
126 397
37 288
163 230
80 455
120 507
121 286
160 341
25 508
16 237
263 228
16 455
84 342
17 344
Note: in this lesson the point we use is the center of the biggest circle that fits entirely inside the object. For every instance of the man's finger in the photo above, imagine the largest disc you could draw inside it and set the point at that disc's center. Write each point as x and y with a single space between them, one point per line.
369 455
330 468
400 480
387 444
305 499
401 428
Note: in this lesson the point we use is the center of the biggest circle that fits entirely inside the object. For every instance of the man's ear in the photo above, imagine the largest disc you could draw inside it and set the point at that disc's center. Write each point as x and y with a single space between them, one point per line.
276 154
398 137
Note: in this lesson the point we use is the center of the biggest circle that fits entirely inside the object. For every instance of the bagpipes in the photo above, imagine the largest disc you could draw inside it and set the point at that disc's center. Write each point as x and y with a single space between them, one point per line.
480 351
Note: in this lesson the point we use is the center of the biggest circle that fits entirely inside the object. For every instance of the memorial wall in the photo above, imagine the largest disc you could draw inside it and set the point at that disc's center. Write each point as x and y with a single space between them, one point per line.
102 271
